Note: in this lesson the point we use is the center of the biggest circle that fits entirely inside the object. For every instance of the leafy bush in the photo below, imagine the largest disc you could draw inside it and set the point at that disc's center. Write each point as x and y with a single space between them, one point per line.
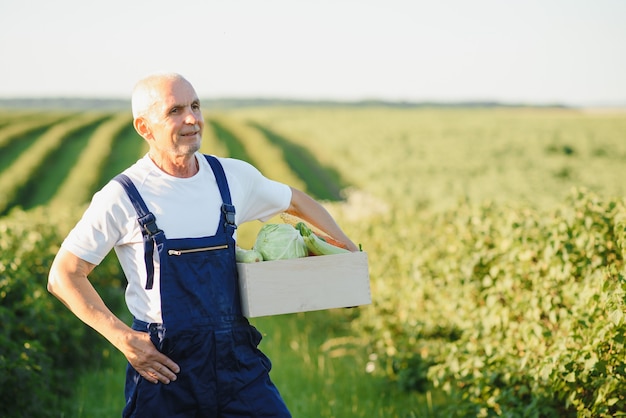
42 344
520 311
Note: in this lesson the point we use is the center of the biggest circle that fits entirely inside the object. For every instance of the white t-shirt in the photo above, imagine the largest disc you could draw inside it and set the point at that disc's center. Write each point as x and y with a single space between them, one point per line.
183 207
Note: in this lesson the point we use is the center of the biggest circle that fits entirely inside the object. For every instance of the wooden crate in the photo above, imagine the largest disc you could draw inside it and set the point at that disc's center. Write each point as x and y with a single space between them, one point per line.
304 284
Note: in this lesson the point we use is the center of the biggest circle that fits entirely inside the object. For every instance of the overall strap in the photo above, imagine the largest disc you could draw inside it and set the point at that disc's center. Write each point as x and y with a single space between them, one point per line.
228 210
152 235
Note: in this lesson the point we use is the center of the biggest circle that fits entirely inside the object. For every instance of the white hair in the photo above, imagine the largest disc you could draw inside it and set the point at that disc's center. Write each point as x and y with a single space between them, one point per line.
145 93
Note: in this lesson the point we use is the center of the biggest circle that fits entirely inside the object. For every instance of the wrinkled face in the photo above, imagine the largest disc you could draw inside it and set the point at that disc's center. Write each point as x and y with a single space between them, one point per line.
173 125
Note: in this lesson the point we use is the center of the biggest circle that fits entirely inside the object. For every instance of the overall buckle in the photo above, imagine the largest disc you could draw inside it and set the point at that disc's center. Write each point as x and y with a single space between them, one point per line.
149 225
229 212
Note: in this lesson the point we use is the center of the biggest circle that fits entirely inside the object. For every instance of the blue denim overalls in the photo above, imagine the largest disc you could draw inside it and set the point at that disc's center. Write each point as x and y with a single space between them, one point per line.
222 372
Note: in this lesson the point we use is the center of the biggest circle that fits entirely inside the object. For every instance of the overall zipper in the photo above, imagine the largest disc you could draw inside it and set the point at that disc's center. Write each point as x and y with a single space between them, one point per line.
197 250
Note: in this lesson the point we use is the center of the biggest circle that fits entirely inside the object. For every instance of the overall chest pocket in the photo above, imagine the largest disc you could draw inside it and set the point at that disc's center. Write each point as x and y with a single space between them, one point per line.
177 252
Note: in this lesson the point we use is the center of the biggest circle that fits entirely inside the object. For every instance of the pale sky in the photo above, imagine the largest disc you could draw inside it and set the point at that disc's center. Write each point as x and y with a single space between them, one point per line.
528 51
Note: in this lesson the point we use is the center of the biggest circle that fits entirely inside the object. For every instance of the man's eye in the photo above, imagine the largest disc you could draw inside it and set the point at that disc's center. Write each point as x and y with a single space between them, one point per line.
196 107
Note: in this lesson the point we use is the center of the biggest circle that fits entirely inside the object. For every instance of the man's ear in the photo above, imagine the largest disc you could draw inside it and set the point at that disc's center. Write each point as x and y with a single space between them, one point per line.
142 128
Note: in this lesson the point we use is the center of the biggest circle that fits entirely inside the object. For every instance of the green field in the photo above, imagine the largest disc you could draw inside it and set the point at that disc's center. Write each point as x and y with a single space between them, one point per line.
496 240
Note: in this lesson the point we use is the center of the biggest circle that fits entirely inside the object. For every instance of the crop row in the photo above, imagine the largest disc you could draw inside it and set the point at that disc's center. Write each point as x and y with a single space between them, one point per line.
65 158
84 176
511 310
26 169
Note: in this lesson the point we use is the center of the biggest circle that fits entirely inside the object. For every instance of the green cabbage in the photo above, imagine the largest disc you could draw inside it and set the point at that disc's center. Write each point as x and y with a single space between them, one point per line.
280 242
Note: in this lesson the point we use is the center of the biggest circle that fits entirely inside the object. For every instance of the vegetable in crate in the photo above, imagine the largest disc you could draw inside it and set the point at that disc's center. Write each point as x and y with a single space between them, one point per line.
280 242
316 245
247 256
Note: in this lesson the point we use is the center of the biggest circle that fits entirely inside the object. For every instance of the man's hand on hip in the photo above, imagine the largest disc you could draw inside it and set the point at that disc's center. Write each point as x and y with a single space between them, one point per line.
151 364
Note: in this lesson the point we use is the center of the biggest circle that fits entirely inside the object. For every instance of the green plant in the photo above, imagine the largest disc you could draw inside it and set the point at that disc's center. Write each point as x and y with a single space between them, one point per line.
42 344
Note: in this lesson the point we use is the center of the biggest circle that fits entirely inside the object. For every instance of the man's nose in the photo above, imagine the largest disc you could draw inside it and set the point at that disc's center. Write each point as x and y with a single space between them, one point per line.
191 118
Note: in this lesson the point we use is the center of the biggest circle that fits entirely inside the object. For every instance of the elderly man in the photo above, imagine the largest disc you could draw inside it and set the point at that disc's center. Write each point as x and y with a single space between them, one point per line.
171 219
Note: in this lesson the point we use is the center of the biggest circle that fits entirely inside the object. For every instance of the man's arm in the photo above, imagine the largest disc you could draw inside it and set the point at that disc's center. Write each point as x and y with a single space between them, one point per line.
305 207
69 283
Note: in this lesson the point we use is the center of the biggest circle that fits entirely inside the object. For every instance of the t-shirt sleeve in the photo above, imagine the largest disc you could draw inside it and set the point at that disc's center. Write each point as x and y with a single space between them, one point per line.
255 196
108 221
